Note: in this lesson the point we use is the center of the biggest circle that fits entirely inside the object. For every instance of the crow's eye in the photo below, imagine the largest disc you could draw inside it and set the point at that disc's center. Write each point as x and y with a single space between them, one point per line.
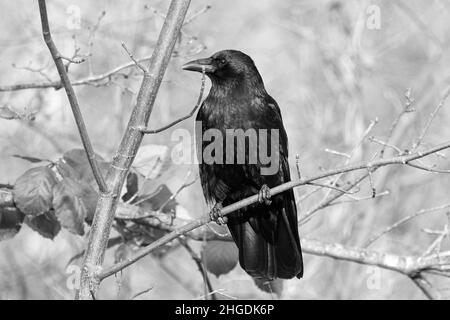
221 61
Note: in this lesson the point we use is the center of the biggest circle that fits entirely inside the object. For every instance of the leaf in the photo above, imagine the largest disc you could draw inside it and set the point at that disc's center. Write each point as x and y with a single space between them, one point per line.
75 164
131 185
47 225
74 202
30 159
33 191
158 199
220 257
152 160
66 171
274 286
10 222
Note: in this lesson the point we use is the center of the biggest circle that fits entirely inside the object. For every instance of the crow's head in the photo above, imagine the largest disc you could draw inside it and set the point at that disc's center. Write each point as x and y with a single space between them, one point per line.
225 65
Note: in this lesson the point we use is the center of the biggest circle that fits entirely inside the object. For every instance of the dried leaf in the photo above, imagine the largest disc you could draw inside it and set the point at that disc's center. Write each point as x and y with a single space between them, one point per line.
30 159
157 200
74 202
220 257
75 164
132 185
10 222
33 191
47 225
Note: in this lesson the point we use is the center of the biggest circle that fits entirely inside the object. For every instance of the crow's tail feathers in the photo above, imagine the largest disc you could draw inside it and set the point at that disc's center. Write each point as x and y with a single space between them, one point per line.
269 255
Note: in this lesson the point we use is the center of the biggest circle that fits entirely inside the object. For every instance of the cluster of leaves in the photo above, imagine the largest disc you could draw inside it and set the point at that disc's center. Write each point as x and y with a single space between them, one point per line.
63 194
58 195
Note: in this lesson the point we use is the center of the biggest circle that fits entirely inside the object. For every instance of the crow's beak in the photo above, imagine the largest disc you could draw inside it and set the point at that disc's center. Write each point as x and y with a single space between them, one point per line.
198 65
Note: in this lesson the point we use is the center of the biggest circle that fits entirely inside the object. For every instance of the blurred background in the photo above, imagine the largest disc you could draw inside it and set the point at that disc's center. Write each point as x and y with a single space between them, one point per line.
333 67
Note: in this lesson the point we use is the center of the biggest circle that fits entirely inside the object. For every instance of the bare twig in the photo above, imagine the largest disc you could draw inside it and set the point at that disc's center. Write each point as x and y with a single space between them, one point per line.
90 80
427 289
136 62
190 114
430 120
355 199
201 268
429 169
330 187
326 202
39 70
385 144
72 60
140 293
352 153
57 58
402 221
341 154
407 109
196 14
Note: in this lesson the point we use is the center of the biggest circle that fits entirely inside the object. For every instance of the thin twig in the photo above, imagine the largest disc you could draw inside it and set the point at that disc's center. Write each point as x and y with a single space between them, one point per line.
427 289
196 14
201 268
140 293
407 109
430 120
352 153
90 80
136 62
57 58
190 114
326 202
402 221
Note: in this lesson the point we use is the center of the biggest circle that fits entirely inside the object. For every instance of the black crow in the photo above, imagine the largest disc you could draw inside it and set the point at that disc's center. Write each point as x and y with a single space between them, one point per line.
266 233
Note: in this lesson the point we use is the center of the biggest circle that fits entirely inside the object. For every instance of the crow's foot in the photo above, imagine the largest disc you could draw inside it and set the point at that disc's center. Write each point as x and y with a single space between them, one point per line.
216 214
264 195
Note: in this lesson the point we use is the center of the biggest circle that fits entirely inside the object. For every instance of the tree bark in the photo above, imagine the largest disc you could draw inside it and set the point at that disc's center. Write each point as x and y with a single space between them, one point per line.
131 141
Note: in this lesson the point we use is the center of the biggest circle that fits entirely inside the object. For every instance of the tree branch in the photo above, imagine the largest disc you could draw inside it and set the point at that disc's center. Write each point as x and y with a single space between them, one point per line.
413 267
404 160
90 80
58 59
107 203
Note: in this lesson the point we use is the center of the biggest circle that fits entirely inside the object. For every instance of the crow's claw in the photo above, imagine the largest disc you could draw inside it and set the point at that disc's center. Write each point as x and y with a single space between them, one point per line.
264 195
216 214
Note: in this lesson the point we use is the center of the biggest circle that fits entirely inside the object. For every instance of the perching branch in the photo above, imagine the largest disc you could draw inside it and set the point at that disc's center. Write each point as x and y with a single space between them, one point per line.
107 203
58 59
414 267
402 160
